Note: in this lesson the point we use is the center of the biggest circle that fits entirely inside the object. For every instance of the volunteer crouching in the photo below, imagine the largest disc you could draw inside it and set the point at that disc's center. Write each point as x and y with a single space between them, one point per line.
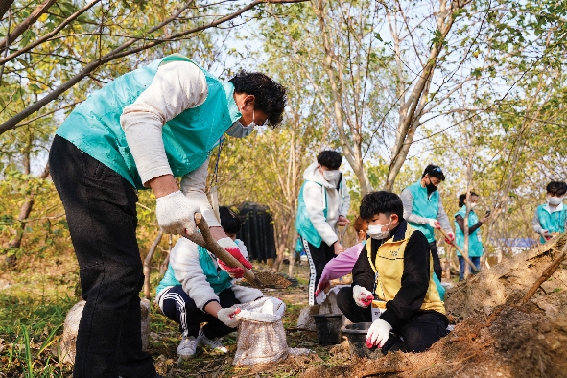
395 268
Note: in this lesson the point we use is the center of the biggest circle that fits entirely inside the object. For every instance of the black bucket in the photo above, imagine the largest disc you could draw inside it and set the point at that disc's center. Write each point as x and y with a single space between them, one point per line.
329 328
356 335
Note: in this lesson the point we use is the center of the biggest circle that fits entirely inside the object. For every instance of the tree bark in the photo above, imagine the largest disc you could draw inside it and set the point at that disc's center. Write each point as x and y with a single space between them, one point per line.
148 264
25 211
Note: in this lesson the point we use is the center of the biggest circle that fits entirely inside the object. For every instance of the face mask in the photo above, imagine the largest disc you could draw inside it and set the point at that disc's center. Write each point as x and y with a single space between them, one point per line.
554 200
238 130
331 176
473 204
375 231
431 188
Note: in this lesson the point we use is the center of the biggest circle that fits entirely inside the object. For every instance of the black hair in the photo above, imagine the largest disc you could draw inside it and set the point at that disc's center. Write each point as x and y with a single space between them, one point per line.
556 188
229 220
330 159
463 197
375 203
270 96
433 171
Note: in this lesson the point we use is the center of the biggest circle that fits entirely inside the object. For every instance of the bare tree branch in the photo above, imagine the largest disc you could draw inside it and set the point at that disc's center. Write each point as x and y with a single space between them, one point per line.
47 36
122 51
25 25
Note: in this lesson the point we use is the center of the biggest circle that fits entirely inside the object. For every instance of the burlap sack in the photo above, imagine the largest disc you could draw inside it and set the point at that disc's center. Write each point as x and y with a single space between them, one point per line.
261 335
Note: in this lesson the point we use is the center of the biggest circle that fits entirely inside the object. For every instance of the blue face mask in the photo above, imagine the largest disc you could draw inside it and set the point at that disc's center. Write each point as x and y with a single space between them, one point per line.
238 130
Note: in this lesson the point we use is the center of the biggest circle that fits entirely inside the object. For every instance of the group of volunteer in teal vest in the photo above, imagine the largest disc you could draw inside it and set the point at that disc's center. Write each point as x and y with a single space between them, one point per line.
160 122
143 130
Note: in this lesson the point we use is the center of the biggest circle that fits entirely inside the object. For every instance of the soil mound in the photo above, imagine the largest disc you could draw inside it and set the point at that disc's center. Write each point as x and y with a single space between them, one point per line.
501 331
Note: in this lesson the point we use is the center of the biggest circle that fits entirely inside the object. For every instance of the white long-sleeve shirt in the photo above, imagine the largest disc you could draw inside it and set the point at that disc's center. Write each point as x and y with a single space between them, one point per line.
177 86
185 261
407 201
318 195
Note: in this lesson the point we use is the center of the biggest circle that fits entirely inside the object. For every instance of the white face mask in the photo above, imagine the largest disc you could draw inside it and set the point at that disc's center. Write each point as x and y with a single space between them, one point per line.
331 176
554 200
473 204
375 231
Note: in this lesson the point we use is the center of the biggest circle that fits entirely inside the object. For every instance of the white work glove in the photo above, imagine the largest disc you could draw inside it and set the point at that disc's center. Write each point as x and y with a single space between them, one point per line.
228 317
433 223
378 333
546 235
176 214
362 297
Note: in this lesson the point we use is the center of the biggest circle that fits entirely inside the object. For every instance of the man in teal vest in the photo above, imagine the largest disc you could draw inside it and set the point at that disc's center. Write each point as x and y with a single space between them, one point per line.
424 211
551 217
141 131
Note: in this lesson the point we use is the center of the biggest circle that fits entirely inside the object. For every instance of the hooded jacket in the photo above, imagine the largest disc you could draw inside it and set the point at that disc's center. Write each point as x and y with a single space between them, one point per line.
320 204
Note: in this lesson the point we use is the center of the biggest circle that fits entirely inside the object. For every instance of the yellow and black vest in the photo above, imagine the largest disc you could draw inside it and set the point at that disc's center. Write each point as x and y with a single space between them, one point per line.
390 265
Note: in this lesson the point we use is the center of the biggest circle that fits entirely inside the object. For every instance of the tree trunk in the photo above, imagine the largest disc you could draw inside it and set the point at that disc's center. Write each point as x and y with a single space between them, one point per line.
25 212
148 263
283 237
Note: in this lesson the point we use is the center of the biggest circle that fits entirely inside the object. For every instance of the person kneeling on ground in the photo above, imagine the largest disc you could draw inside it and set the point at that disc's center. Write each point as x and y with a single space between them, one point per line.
396 268
195 289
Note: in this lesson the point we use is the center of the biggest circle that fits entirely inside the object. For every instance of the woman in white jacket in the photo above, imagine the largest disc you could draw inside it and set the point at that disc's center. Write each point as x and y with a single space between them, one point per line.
322 205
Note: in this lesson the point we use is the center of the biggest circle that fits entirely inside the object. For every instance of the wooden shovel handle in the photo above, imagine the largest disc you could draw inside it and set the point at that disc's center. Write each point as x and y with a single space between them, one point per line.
206 240
466 257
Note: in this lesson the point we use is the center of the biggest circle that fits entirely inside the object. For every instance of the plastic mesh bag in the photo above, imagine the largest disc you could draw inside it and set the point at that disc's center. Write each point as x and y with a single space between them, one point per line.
261 335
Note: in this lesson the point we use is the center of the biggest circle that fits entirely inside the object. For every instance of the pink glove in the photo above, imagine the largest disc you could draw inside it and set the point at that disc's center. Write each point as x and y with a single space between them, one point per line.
362 297
234 251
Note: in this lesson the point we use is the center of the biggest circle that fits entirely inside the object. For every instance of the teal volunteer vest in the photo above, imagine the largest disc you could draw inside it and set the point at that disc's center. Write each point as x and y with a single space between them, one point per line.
476 249
554 222
94 126
219 280
303 224
424 207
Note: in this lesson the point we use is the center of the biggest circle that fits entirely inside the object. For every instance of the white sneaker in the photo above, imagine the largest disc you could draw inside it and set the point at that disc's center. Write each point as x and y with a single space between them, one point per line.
187 347
214 344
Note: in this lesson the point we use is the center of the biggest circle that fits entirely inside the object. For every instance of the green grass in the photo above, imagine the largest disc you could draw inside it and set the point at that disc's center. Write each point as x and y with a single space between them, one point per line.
29 327
32 315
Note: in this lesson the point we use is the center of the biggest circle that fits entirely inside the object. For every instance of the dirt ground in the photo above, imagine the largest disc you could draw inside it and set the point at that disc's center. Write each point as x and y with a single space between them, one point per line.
495 334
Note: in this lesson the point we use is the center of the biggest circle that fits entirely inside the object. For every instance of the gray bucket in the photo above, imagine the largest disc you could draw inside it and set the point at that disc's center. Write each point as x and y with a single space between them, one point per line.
329 328
356 335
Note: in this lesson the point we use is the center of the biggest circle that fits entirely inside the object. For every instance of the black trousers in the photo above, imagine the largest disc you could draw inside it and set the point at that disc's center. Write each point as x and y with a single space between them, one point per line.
436 262
178 306
318 257
420 332
100 206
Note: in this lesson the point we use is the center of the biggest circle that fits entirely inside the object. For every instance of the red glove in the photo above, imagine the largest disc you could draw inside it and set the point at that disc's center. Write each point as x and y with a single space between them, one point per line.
450 238
234 251
322 286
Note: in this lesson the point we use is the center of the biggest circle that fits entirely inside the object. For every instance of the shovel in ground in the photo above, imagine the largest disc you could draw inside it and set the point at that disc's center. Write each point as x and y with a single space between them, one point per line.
206 240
